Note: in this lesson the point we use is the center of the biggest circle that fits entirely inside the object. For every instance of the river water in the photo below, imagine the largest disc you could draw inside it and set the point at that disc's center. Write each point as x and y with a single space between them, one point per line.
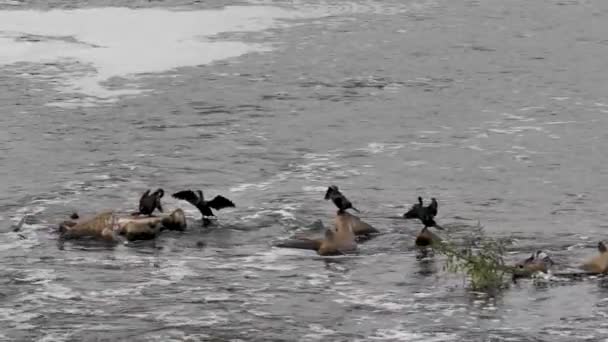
497 108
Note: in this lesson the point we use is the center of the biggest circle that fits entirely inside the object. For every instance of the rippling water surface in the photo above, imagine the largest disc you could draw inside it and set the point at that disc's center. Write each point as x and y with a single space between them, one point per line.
497 108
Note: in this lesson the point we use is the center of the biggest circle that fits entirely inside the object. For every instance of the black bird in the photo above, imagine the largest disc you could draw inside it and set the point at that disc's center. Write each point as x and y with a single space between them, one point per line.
149 202
339 199
433 207
217 203
413 212
421 212
429 221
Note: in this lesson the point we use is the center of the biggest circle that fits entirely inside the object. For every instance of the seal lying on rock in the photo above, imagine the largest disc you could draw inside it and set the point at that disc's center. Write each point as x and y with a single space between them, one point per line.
108 226
337 241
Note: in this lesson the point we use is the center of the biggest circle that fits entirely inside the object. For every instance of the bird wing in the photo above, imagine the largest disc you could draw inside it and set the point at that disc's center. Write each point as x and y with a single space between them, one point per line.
338 202
220 202
141 199
144 195
433 207
187 195
160 207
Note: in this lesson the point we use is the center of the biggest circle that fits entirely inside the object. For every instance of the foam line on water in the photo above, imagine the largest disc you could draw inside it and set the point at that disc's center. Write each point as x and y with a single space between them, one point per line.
123 42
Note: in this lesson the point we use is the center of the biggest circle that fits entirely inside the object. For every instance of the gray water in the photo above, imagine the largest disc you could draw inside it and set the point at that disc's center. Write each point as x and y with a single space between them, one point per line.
497 108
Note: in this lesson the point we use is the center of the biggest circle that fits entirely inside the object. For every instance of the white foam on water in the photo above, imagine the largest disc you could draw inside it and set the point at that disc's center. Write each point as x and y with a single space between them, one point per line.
378 147
123 42
317 332
401 335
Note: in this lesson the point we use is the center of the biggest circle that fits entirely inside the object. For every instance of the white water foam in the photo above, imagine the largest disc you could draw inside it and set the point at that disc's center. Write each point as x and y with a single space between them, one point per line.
124 42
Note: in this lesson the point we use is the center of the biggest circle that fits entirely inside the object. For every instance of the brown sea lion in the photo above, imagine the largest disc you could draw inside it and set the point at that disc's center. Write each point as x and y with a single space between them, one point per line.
100 226
146 230
358 226
108 225
538 261
337 241
599 263
426 238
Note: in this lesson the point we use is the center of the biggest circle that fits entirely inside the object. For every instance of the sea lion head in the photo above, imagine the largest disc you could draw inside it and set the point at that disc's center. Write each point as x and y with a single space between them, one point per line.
426 238
538 261
175 221
599 263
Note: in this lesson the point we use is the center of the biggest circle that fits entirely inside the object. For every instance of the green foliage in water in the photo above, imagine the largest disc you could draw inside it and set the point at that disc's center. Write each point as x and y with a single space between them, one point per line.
481 259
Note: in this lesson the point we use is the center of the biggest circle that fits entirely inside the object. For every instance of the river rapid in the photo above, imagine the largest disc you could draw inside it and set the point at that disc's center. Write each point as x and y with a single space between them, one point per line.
496 108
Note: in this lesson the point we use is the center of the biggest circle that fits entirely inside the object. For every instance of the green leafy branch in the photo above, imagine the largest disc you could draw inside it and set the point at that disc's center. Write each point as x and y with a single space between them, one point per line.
480 258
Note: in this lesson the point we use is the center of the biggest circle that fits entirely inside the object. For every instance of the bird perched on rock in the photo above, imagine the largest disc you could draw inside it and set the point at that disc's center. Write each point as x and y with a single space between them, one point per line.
339 199
149 202
198 200
419 211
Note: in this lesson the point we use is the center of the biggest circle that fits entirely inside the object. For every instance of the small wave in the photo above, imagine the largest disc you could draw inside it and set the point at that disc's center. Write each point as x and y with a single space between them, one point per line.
317 332
377 147
404 335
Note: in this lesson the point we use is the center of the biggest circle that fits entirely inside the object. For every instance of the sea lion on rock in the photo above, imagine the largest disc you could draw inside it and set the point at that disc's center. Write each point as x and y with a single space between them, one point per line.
149 202
217 203
146 230
426 238
359 227
337 241
599 263
175 221
108 226
100 226
339 199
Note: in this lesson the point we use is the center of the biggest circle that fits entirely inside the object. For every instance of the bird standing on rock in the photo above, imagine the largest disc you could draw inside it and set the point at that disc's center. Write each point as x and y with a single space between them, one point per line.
198 200
339 199
149 202
419 211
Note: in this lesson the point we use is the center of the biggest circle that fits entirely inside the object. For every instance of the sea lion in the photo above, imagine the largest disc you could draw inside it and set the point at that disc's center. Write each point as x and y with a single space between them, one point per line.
339 199
145 230
149 202
599 263
100 226
109 226
426 238
419 211
337 241
175 221
217 203
359 227
538 261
